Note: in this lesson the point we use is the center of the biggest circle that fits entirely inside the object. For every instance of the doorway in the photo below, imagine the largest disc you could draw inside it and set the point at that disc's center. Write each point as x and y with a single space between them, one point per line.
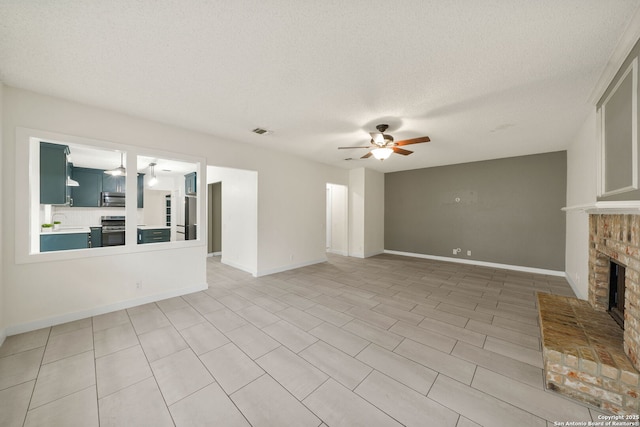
214 219
238 211
337 219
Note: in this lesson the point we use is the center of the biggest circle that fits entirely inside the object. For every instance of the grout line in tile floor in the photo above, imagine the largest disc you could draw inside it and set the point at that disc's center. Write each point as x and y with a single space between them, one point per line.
392 340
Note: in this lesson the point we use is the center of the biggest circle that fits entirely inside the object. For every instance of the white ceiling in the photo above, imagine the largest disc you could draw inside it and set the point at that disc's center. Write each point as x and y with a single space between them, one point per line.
483 79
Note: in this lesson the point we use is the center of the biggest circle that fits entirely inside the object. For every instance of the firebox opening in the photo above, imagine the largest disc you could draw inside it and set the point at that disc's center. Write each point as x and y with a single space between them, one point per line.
616 292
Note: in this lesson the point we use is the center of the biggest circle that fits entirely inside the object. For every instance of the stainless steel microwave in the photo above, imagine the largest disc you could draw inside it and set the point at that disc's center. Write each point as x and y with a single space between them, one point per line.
112 199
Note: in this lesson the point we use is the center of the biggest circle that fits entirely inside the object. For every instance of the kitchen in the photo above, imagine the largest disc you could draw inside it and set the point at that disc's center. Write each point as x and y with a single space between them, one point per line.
82 198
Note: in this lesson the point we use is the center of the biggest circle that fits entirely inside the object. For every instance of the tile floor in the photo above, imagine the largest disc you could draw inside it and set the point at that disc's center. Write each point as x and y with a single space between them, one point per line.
382 341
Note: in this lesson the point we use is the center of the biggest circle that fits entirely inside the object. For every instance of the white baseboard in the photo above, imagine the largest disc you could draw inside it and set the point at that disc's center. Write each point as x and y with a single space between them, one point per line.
370 254
290 267
482 263
576 289
238 266
363 255
333 251
83 314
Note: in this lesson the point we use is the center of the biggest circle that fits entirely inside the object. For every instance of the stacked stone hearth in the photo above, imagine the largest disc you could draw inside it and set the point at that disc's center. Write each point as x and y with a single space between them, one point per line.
587 355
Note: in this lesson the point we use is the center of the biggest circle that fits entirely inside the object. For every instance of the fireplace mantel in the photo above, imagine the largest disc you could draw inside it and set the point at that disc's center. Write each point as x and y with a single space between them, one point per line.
625 207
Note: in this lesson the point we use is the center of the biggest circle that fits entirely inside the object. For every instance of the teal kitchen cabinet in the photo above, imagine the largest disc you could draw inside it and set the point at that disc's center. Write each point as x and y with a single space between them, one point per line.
190 181
154 235
63 242
53 174
87 194
96 237
114 183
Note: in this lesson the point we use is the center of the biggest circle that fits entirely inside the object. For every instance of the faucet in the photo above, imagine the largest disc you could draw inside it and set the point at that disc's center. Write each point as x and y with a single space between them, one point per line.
54 215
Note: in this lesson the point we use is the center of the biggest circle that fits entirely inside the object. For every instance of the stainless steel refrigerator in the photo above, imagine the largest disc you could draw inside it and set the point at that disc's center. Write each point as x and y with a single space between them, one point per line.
190 217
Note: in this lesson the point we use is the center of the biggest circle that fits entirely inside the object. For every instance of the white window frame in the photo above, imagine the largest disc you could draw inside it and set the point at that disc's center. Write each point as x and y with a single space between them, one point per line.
27 221
633 185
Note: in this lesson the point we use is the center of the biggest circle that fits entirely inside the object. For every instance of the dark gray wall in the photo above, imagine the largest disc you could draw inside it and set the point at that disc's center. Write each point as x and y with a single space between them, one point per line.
508 210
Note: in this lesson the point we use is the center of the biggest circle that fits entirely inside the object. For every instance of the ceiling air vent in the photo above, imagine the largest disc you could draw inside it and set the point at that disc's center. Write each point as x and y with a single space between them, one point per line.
260 131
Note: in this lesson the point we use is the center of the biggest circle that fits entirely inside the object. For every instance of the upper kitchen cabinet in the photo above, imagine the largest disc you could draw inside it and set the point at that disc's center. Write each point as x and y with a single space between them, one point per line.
53 174
114 183
92 182
190 181
87 194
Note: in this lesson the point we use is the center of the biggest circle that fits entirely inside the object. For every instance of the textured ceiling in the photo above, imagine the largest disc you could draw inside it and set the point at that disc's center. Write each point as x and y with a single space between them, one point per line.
483 79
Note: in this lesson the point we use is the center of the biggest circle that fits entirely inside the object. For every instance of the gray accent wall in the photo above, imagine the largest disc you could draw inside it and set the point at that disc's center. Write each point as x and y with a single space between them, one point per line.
505 211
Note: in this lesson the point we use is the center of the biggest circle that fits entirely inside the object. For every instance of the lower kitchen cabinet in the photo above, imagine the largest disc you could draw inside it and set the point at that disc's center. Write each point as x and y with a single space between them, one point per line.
154 235
62 242
96 237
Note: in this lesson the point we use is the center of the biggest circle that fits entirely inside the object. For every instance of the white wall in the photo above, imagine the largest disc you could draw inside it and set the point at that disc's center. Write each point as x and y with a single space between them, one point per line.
366 213
290 215
239 216
2 225
40 293
337 219
374 213
581 190
356 212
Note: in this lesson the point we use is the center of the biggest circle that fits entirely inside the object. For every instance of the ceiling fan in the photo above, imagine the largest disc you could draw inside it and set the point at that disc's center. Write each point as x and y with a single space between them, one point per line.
383 145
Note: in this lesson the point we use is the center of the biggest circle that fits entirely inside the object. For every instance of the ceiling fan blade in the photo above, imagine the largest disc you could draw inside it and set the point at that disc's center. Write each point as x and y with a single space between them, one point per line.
344 148
413 141
366 156
377 137
401 151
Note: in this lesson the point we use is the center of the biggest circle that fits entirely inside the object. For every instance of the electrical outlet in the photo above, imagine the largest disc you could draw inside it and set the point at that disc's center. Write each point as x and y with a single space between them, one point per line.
468 253
455 252
139 284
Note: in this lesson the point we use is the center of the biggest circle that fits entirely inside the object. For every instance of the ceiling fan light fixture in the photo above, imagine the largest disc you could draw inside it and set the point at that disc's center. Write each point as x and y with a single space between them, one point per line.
382 153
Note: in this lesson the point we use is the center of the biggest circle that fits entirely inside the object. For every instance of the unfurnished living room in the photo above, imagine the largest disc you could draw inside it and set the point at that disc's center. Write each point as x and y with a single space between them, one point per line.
278 213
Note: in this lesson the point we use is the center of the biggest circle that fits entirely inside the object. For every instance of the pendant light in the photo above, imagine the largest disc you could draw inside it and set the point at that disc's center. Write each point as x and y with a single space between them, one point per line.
153 180
119 171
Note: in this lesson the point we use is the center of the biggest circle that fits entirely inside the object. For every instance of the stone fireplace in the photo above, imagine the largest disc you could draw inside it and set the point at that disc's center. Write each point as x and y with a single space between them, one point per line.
587 355
614 240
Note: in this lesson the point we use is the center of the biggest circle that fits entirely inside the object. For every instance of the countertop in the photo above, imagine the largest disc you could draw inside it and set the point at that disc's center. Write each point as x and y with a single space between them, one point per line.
153 227
68 230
